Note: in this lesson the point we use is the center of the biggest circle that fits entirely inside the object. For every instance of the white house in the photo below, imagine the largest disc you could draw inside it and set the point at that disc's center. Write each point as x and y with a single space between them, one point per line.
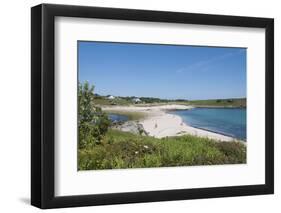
136 100
111 97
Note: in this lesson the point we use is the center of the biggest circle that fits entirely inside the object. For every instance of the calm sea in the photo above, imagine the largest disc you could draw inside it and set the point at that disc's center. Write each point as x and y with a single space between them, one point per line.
117 118
231 122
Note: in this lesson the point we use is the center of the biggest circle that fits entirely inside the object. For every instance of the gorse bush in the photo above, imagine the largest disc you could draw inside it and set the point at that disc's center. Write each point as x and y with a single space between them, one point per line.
92 122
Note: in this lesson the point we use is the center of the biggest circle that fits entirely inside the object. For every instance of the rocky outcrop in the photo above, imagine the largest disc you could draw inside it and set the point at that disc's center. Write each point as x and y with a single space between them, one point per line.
131 126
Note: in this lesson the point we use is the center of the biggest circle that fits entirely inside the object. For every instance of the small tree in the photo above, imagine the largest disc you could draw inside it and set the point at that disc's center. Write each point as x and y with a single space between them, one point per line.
92 122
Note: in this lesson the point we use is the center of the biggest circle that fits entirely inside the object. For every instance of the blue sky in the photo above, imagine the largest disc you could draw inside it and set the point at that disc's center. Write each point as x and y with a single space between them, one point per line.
163 71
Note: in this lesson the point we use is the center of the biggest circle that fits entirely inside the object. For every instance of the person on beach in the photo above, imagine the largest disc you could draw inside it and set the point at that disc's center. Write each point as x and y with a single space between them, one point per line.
155 126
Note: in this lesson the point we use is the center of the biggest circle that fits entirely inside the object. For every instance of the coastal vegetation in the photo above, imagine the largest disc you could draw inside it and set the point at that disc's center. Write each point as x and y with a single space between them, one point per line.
129 100
126 150
101 146
234 102
93 123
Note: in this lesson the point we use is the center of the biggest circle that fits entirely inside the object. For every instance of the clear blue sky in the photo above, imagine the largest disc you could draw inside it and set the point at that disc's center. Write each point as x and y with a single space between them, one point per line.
163 71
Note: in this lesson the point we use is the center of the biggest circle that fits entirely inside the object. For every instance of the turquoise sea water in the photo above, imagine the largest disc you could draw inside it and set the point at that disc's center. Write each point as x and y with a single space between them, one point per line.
231 122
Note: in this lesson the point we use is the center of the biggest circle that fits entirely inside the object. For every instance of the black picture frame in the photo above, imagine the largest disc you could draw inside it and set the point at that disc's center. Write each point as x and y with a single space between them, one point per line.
43 102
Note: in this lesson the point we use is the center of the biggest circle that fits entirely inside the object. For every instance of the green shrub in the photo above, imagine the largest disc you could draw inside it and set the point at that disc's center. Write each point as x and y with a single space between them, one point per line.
126 150
92 122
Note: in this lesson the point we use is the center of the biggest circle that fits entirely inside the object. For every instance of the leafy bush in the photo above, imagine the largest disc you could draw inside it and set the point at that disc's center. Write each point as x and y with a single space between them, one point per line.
126 150
92 122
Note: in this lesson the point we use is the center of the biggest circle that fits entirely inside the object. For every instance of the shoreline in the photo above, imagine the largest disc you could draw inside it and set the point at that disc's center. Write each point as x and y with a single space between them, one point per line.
159 123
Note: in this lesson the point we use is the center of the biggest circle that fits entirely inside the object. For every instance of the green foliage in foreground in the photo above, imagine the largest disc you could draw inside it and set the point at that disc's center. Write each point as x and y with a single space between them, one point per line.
92 122
126 150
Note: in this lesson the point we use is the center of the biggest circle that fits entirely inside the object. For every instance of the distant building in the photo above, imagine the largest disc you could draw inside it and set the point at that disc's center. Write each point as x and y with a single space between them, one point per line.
136 100
111 97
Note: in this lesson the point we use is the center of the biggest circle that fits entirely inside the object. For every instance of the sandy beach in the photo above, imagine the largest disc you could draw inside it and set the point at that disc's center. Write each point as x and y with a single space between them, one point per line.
159 123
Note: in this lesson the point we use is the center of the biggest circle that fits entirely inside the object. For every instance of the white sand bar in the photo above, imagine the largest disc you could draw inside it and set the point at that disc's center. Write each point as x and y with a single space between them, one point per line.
161 124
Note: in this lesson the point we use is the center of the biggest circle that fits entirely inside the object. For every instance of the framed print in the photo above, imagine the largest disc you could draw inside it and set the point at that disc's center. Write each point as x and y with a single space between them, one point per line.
139 106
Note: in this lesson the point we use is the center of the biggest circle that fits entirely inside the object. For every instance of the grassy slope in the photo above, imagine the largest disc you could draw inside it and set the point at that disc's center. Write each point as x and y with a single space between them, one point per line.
130 115
236 102
126 150
241 102
117 101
